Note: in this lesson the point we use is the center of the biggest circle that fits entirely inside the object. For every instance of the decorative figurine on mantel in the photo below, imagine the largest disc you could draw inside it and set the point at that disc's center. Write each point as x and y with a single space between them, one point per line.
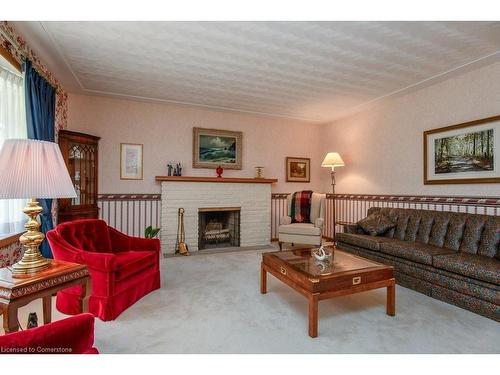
219 170
174 170
259 172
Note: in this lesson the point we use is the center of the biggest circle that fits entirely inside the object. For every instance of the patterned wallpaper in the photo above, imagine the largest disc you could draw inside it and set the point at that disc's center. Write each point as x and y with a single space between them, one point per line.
20 50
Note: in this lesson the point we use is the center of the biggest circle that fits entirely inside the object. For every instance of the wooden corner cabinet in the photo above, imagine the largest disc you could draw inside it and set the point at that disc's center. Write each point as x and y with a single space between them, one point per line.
80 153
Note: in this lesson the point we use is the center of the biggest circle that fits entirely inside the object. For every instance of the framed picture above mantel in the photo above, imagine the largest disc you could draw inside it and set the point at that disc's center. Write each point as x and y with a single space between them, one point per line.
465 153
214 147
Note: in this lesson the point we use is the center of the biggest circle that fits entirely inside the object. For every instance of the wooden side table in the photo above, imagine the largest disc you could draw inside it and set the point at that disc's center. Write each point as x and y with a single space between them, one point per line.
17 292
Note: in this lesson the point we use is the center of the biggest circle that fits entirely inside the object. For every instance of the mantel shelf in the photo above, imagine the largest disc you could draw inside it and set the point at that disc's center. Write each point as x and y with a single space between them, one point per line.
234 180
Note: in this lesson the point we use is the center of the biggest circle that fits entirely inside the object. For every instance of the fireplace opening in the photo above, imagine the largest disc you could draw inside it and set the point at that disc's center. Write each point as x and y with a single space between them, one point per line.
218 227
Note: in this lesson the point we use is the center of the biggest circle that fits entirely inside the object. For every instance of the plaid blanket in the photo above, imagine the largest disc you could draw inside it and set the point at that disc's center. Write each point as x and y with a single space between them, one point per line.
300 209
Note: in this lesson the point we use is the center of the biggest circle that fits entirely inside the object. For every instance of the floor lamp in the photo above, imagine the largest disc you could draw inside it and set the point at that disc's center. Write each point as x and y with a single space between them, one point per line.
33 169
332 160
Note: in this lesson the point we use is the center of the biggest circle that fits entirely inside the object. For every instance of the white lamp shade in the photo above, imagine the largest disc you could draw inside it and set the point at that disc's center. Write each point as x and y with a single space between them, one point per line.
33 169
332 159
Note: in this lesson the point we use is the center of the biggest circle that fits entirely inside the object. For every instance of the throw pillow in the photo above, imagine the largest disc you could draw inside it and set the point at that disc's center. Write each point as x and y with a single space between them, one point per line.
376 224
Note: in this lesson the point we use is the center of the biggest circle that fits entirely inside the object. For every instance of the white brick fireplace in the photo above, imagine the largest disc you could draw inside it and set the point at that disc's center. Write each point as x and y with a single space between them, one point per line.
252 196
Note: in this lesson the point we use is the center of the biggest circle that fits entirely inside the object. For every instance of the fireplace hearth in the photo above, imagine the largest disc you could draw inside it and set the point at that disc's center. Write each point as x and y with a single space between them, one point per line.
218 227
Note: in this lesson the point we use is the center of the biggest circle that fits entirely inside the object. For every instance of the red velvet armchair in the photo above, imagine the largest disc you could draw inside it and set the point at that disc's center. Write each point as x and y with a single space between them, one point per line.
123 269
73 335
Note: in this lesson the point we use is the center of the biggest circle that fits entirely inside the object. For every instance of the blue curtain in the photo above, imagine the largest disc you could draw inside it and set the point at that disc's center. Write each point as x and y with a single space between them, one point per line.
40 117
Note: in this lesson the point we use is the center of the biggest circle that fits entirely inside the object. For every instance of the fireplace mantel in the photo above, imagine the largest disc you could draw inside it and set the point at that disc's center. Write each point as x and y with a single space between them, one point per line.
234 180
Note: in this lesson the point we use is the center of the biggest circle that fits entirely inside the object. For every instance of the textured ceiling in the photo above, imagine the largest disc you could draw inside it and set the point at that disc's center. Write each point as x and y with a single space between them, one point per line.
309 70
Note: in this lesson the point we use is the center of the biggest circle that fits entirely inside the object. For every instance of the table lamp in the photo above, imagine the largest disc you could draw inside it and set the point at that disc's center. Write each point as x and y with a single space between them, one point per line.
33 169
333 159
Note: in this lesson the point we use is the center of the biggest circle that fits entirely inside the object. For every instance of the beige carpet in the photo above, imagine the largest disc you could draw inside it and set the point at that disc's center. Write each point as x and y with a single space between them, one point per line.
212 304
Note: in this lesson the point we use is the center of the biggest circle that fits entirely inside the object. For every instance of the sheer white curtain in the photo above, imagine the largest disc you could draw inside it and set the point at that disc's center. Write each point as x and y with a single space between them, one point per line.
12 125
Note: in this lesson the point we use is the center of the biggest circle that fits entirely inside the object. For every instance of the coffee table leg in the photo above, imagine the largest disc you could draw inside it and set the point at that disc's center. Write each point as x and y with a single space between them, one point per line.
47 309
391 299
263 279
313 315
86 294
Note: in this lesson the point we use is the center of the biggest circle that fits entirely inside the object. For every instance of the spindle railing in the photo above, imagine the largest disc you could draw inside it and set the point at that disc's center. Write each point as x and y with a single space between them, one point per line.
131 213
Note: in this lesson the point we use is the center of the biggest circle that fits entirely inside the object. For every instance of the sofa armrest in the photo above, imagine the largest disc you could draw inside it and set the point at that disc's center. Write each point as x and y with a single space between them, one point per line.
319 222
73 335
285 220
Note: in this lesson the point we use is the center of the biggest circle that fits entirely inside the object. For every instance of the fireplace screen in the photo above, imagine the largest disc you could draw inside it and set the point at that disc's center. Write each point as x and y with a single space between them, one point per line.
218 227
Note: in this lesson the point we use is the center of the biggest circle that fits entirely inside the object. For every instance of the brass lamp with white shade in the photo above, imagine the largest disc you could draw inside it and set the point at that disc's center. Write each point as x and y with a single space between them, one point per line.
33 169
332 160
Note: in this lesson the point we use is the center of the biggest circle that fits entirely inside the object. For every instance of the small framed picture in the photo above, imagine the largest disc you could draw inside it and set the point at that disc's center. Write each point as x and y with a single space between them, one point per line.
298 169
131 161
467 153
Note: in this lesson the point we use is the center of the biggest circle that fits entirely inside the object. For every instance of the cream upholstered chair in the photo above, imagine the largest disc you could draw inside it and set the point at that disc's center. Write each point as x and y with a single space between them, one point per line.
304 233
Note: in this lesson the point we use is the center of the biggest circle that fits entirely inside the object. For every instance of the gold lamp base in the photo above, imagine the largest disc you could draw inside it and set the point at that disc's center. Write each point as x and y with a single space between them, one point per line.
32 260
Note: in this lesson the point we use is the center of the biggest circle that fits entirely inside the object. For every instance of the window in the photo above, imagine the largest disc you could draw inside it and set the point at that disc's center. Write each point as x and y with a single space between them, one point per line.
12 125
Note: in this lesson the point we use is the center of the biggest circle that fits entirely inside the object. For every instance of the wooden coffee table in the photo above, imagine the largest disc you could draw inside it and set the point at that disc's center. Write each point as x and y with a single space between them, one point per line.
349 274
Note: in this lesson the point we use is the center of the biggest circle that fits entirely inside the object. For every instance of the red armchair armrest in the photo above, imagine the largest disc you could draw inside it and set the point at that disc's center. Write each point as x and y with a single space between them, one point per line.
123 242
104 262
74 335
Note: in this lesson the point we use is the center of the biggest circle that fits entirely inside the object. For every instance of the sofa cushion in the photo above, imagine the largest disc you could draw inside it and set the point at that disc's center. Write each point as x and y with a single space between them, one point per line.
455 231
129 263
475 266
392 214
474 226
490 238
413 225
376 224
362 240
425 227
87 235
402 224
305 229
415 251
439 229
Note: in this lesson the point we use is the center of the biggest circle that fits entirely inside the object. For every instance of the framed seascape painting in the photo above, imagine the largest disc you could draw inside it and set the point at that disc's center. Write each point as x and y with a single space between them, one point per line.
131 164
464 153
212 147
298 169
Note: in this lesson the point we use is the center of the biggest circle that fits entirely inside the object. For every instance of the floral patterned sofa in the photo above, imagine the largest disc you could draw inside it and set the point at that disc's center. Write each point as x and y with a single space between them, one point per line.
453 257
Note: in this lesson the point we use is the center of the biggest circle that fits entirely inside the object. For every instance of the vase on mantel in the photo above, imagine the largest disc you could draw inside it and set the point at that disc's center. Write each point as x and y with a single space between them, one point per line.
219 170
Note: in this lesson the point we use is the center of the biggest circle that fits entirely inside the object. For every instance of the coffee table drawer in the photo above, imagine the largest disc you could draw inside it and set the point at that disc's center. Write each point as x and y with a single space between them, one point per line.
284 270
351 280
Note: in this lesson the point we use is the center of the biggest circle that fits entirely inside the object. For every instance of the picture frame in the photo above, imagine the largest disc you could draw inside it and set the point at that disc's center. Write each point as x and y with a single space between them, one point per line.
131 161
298 169
466 153
215 147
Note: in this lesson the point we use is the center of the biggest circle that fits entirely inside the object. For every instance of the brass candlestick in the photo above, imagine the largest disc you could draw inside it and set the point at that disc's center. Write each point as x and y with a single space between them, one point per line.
32 260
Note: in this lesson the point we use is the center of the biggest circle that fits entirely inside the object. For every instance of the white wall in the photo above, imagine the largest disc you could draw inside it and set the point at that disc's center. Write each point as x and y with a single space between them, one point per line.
382 146
167 130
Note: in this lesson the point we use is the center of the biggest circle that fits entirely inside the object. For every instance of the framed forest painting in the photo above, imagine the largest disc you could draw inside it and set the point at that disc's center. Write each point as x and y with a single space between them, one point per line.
463 153
298 169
